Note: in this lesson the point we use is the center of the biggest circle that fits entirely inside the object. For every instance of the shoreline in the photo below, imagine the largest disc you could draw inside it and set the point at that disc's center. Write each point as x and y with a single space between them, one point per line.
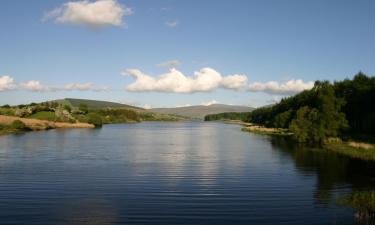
354 149
36 125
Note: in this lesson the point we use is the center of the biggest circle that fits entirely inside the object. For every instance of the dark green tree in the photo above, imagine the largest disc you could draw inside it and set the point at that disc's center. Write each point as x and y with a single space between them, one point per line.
83 107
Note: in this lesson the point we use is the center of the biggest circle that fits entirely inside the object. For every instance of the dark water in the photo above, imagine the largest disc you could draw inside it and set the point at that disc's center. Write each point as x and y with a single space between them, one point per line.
172 173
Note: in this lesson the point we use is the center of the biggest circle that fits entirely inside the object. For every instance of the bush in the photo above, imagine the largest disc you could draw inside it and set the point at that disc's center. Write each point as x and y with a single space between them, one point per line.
95 119
68 108
83 107
19 125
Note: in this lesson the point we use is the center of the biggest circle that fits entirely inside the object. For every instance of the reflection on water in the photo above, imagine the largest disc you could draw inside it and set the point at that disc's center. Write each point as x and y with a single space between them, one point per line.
172 173
333 171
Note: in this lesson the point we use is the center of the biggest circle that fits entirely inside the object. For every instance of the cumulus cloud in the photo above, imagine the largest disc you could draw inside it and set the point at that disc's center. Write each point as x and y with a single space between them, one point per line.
287 88
172 24
169 64
212 102
204 80
94 15
234 81
34 85
6 83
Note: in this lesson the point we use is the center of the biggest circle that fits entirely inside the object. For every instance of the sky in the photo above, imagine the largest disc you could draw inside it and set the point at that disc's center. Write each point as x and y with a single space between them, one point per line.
175 53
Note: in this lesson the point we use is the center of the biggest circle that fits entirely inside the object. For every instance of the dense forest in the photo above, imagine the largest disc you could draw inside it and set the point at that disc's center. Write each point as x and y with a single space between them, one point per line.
342 108
228 116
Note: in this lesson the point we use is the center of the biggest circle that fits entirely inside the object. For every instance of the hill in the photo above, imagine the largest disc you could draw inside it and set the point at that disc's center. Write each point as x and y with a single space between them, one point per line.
200 111
94 104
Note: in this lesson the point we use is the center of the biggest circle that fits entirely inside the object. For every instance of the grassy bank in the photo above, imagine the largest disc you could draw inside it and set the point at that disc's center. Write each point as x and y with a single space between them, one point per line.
354 149
14 125
266 130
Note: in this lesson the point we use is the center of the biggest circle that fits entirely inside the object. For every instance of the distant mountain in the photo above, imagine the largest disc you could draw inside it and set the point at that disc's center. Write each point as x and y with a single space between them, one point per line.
199 111
94 104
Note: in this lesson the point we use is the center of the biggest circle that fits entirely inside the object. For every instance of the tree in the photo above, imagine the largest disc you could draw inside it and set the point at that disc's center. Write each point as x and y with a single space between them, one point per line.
283 119
324 121
95 119
83 107
68 108
302 124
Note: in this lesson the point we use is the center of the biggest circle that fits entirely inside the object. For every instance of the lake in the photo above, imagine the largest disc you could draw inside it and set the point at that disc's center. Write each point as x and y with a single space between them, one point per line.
172 173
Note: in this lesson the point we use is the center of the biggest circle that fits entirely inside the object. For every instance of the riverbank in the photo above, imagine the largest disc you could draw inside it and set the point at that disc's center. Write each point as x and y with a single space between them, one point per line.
35 124
265 130
354 149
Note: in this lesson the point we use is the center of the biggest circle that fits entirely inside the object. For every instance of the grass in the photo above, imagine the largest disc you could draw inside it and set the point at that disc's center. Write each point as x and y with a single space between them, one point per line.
44 115
7 111
358 150
267 131
364 203
15 128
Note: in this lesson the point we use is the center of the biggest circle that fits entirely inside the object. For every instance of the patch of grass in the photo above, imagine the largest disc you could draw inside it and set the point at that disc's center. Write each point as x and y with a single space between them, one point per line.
7 111
14 128
355 150
267 131
44 115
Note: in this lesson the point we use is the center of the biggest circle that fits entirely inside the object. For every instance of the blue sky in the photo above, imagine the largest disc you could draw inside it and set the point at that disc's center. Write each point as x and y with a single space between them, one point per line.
273 44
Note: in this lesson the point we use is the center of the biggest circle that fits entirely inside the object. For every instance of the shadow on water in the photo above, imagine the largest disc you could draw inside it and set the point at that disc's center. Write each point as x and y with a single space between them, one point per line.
334 172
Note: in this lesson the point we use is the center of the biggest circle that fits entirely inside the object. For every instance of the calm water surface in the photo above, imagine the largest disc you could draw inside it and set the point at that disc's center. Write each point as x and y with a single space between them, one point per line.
172 173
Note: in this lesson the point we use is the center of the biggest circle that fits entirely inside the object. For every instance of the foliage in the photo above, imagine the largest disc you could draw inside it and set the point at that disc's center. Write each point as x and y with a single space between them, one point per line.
227 116
317 124
83 107
19 125
95 119
364 203
68 108
344 108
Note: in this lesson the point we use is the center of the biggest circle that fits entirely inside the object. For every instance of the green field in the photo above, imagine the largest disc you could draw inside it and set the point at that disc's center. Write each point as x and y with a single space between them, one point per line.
44 115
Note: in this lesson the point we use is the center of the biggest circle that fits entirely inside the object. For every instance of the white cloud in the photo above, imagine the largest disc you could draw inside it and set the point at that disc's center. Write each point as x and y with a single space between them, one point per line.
34 85
146 106
84 87
169 64
287 88
185 105
204 80
94 15
172 24
6 83
234 81
212 102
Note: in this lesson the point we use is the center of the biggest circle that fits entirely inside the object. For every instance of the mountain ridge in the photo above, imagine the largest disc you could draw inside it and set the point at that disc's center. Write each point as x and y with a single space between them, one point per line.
200 111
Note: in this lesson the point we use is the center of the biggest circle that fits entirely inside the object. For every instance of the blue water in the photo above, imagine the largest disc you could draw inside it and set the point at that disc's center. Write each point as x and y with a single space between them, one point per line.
172 173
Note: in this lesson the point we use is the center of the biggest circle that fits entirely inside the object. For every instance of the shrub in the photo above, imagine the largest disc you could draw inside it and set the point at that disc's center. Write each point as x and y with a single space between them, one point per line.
68 108
19 125
95 119
83 107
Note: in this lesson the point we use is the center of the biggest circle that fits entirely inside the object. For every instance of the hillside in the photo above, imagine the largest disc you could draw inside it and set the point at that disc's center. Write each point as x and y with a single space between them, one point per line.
200 111
94 104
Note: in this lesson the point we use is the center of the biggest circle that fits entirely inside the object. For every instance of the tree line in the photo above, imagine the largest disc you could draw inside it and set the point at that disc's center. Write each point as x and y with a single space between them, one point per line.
339 109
